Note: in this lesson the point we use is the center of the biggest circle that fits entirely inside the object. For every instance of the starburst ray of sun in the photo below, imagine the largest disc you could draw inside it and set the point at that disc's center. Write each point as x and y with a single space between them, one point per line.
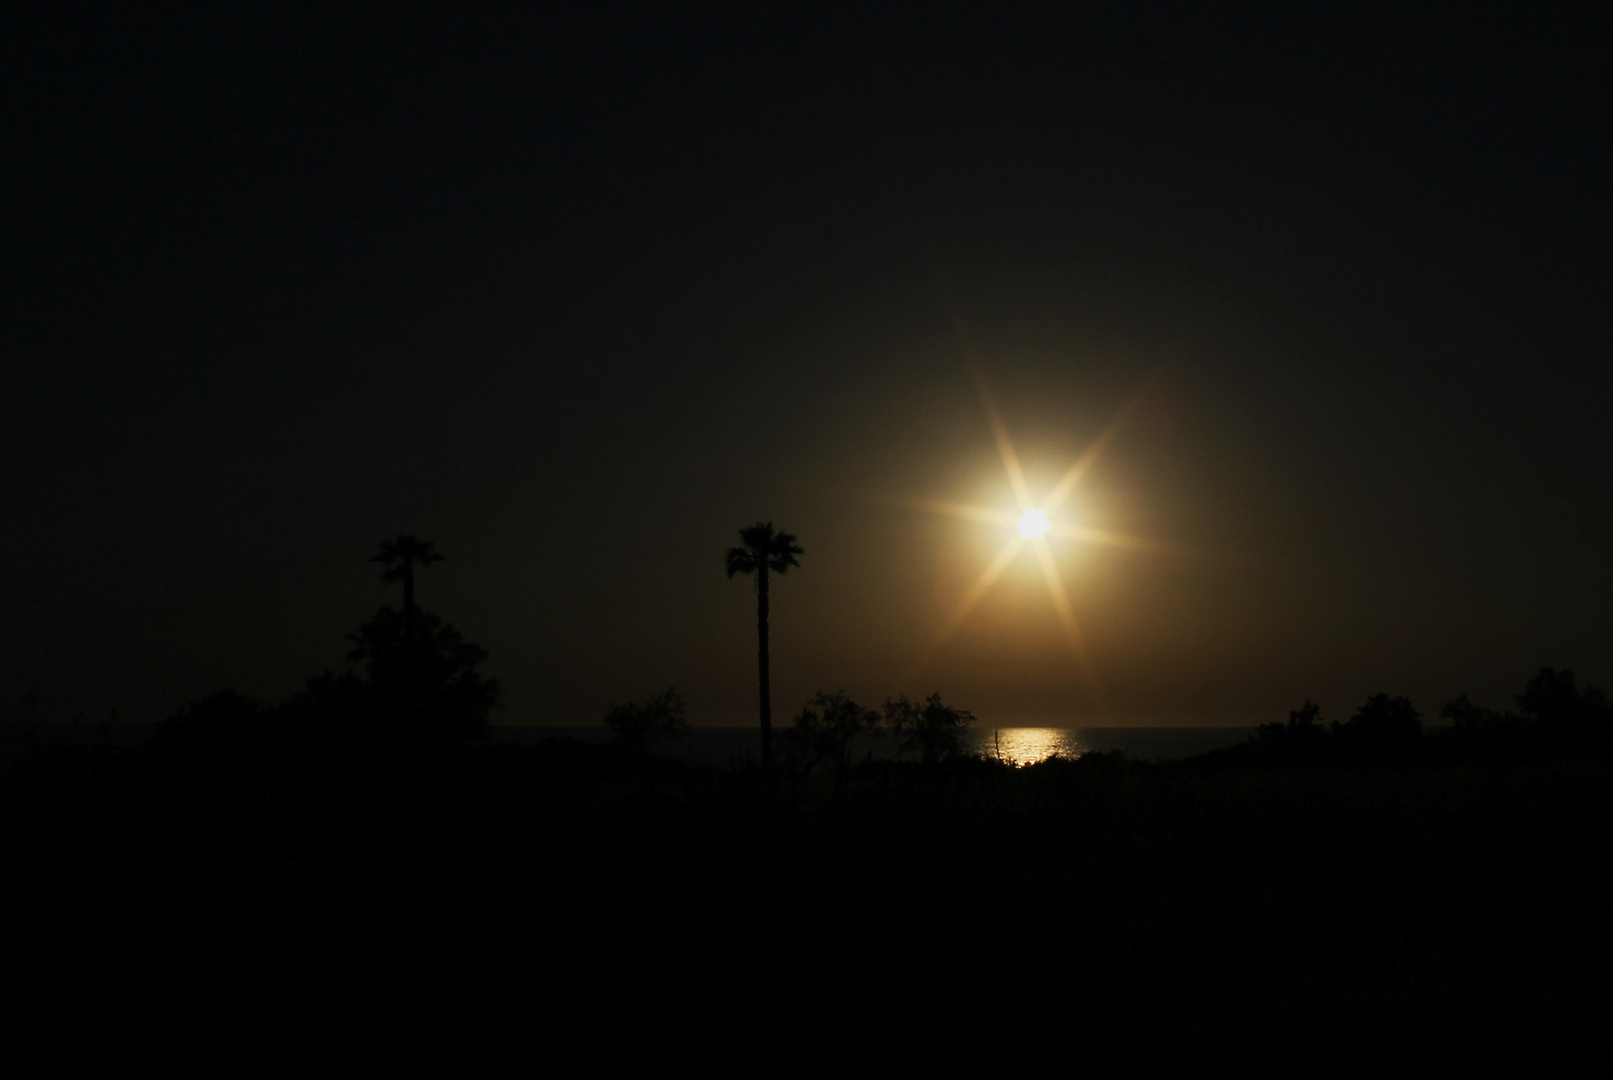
1066 614
1033 527
961 510
994 570
1005 445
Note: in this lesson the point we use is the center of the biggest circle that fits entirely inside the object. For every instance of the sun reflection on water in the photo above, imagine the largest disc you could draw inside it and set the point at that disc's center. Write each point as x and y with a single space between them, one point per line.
1028 745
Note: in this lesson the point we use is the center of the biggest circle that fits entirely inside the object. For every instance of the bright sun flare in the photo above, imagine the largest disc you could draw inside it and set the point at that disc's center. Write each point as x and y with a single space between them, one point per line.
1035 529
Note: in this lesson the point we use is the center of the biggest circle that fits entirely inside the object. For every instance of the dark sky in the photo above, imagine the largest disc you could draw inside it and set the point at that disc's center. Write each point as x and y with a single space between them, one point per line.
576 296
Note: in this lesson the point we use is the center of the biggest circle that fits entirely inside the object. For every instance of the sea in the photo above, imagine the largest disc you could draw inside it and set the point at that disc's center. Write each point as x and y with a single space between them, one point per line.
735 747
724 747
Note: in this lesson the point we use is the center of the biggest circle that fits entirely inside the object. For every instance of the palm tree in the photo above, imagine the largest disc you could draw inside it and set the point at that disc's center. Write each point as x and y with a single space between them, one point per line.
402 556
762 550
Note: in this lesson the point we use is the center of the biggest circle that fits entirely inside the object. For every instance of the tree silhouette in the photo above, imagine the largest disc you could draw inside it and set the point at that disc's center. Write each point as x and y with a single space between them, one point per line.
1383 728
1567 718
763 550
1302 737
220 722
401 556
422 675
636 725
825 730
932 728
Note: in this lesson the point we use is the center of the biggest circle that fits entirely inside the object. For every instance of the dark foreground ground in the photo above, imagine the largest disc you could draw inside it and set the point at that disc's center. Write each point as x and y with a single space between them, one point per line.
563 905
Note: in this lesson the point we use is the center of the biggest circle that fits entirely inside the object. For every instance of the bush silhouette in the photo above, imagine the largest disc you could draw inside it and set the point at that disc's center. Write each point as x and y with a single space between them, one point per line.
1303 737
636 725
933 729
825 729
1470 719
1567 719
223 720
420 675
1384 727
334 705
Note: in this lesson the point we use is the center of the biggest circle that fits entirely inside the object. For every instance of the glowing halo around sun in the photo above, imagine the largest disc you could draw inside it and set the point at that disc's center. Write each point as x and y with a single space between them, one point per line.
1033 527
1033 524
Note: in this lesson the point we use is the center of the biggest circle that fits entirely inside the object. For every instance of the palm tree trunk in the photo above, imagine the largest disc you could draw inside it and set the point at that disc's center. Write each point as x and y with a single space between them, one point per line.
410 682
761 663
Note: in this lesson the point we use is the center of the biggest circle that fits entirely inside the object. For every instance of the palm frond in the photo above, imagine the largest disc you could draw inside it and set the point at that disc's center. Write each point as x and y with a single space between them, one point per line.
739 561
782 552
757 537
403 552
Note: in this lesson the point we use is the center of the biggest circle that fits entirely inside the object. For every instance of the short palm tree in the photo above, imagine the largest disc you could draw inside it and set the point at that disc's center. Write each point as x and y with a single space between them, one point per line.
401 557
762 550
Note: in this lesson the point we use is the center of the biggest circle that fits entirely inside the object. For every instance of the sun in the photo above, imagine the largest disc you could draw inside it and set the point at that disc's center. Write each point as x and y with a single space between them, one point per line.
1033 524
1035 528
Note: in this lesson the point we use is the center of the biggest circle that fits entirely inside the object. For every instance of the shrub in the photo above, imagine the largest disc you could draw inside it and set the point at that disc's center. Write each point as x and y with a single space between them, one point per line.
933 729
636 725
825 729
1384 727
221 721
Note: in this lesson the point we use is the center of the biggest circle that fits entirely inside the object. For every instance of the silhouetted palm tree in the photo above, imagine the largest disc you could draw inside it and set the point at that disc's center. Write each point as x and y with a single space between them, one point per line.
762 550
402 556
